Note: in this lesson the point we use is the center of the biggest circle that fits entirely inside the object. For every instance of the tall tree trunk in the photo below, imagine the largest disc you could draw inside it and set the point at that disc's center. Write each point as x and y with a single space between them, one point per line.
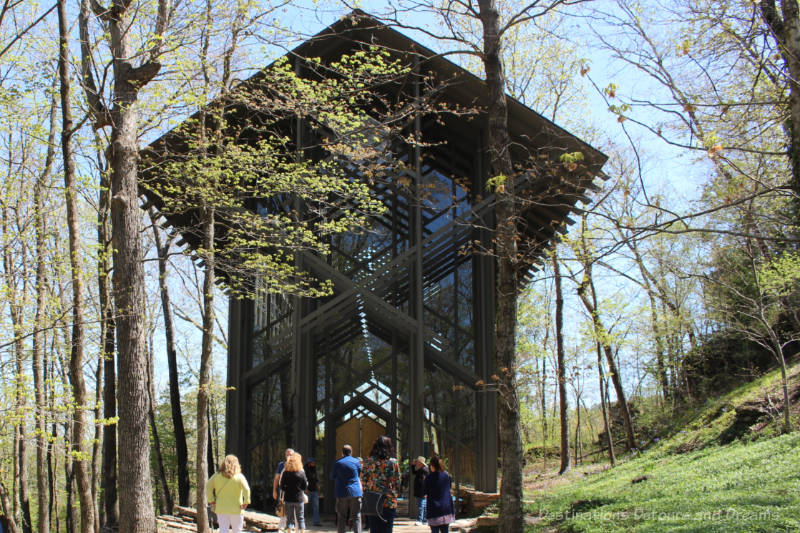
205 363
590 423
166 496
511 519
110 506
8 509
560 368
136 514
661 369
578 447
651 286
42 493
181 450
69 474
81 465
604 406
777 351
109 510
69 487
786 30
98 435
16 304
602 336
52 457
543 402
210 450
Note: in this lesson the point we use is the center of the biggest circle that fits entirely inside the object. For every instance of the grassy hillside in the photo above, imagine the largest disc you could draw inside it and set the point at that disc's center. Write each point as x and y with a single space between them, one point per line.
727 470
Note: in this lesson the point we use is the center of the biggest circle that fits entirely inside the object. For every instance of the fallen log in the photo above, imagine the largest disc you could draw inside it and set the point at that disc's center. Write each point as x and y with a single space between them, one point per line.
486 521
173 524
251 518
473 501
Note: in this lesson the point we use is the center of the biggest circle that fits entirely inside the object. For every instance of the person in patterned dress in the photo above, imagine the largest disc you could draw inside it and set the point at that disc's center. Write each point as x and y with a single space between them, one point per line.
381 473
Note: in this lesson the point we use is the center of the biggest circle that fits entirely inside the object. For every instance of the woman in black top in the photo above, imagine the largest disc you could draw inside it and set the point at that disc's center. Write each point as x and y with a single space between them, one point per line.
293 484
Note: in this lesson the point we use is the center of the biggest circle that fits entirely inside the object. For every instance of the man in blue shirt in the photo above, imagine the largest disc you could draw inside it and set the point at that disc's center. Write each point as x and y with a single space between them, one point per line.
347 474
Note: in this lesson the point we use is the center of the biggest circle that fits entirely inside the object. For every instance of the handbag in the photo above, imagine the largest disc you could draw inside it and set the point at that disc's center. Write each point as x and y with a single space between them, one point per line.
280 509
372 503
304 497
212 517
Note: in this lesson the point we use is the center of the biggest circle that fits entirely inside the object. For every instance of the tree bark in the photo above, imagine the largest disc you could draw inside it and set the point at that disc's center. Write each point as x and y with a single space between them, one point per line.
543 402
69 481
210 450
658 335
181 450
578 445
52 457
69 473
560 369
786 31
97 439
777 351
205 363
81 464
110 507
38 362
511 519
136 513
603 405
652 286
602 337
8 509
166 496
16 305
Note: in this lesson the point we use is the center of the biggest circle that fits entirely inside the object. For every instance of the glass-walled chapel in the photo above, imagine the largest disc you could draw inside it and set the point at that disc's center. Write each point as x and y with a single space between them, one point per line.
404 344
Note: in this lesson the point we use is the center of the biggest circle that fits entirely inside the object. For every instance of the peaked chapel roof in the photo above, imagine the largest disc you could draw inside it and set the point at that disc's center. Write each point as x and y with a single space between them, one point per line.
530 132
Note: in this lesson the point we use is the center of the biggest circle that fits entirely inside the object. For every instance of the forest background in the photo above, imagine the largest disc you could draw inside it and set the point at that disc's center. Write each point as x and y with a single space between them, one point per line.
680 279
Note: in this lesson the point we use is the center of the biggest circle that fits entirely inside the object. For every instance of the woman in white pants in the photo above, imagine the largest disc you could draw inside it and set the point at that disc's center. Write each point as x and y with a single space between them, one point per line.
229 495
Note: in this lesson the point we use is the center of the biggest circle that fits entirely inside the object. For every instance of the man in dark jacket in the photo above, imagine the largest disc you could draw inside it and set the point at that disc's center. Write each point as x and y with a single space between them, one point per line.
420 471
313 488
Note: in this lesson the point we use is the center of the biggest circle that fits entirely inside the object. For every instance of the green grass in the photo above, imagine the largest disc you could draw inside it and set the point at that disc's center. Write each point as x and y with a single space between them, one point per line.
703 426
742 487
693 483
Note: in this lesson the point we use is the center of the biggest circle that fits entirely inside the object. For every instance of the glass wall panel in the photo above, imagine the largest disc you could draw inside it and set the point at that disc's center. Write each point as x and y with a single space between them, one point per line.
443 198
448 315
265 437
451 423
272 321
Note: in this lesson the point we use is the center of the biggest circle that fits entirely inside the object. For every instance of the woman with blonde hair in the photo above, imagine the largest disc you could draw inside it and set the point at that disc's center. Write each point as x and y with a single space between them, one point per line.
229 494
293 483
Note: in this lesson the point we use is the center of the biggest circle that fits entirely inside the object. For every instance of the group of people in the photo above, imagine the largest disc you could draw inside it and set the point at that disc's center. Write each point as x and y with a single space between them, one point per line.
432 492
380 474
295 484
376 478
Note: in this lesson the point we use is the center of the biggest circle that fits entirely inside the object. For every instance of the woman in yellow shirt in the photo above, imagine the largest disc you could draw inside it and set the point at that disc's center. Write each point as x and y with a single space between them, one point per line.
229 494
